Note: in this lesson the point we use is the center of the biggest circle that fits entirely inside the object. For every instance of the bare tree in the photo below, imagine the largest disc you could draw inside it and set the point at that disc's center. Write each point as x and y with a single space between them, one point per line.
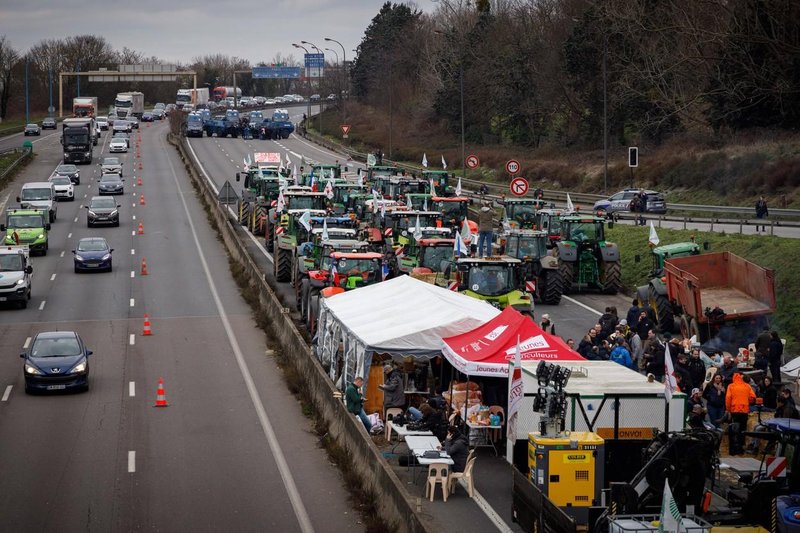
8 58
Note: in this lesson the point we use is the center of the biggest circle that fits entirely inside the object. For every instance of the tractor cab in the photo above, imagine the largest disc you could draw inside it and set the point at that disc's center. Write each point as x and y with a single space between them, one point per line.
496 280
344 271
440 178
398 186
382 171
398 226
324 172
454 209
261 182
418 201
587 259
426 255
668 251
342 192
549 220
300 200
521 212
540 267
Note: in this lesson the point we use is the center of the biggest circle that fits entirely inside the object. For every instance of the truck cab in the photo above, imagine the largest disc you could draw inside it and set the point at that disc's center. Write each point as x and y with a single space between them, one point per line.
15 271
27 227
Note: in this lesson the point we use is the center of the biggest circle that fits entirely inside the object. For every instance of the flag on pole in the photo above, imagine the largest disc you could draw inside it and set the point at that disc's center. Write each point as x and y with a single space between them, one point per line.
288 161
444 163
424 161
313 183
246 166
329 190
516 392
670 520
295 176
458 188
459 247
466 234
506 224
305 220
281 201
425 204
383 208
384 271
433 189
653 239
324 229
670 383
371 160
417 230
374 201
570 207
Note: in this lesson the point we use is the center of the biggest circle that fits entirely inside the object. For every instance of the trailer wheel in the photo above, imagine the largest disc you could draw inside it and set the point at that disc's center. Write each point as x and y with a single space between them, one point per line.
663 310
553 287
567 271
312 313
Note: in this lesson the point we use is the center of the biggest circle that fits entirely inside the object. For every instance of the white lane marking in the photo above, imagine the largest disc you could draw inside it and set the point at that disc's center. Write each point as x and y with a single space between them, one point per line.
69 235
133 273
132 302
87 194
132 339
62 254
76 219
490 513
131 389
576 302
53 277
41 305
27 343
133 205
131 462
133 217
133 232
7 393
269 432
133 251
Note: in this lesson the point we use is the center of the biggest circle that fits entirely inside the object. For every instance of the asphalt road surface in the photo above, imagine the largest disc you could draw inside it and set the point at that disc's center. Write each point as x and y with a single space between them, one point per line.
231 452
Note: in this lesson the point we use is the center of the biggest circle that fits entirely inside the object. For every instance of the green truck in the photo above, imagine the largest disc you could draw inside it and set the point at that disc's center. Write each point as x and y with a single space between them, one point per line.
28 227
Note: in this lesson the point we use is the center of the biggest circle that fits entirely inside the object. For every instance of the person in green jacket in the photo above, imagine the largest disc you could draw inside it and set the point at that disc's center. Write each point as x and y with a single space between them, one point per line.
355 402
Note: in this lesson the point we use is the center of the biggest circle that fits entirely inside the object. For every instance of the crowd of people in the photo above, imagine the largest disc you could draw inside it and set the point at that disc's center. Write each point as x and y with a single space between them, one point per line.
719 392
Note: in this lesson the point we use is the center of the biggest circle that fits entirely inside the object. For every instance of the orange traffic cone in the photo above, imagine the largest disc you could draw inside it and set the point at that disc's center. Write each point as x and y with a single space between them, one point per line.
141 199
146 331
161 398
139 181
144 266
140 165
141 228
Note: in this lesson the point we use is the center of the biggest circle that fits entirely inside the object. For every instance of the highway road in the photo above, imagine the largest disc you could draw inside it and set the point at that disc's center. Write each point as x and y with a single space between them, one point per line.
231 452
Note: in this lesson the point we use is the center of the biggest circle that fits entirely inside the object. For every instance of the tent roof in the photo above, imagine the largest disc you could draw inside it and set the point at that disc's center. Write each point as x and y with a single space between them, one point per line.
487 350
406 316
596 378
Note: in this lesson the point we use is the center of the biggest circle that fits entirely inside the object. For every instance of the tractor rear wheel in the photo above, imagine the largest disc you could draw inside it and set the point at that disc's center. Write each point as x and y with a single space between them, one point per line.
552 287
663 310
612 277
283 264
302 304
567 271
312 313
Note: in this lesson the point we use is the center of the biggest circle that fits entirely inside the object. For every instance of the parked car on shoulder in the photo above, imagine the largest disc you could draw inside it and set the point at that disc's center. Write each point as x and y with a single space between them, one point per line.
621 202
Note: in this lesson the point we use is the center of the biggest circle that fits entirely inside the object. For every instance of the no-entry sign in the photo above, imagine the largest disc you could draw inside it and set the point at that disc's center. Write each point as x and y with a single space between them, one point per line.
473 161
512 167
519 186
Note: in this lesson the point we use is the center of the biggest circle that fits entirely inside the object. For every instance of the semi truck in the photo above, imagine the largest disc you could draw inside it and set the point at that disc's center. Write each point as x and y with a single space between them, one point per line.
191 96
721 298
221 93
15 270
129 103
78 136
84 106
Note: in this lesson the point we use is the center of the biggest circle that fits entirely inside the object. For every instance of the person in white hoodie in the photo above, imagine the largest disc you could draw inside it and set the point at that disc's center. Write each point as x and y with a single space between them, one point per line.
485 230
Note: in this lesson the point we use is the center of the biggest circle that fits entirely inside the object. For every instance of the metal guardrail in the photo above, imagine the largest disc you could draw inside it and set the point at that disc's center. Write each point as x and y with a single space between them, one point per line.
26 153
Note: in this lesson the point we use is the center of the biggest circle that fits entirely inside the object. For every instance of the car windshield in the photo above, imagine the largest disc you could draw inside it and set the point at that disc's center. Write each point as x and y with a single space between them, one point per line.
58 347
92 245
526 246
110 178
521 210
111 161
67 169
32 126
11 262
584 231
432 256
120 135
450 209
36 194
60 181
102 203
491 279
25 221
80 137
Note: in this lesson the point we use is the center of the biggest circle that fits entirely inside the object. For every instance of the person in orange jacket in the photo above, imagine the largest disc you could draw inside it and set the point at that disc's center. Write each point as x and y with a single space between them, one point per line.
738 398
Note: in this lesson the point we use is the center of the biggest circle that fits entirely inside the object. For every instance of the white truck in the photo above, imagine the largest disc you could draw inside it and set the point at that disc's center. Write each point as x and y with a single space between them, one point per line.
129 103
15 275
84 106
191 96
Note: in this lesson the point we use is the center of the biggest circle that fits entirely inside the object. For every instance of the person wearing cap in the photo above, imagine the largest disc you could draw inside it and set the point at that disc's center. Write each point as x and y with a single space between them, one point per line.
697 417
623 328
695 398
547 325
392 387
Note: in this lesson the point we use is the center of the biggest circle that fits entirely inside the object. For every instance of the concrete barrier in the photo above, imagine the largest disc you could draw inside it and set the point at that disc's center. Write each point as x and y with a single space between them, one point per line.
393 502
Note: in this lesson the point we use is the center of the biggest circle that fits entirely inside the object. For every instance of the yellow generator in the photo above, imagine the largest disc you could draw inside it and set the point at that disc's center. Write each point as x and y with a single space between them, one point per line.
568 469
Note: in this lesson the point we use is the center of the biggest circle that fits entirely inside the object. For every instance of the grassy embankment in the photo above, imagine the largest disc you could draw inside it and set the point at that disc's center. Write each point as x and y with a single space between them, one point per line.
17 124
777 253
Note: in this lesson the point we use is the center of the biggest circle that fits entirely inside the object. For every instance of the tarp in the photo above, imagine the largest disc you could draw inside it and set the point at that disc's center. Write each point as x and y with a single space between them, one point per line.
401 316
486 350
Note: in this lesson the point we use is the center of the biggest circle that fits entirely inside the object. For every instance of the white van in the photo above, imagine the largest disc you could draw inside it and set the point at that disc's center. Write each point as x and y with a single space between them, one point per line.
39 195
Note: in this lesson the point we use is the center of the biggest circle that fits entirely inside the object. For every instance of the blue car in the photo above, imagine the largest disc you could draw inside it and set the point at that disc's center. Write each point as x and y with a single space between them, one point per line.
93 253
57 360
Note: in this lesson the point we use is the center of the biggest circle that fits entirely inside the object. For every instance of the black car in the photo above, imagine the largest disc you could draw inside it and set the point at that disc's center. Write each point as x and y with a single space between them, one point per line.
70 171
49 123
147 117
102 210
111 184
32 129
93 253
57 360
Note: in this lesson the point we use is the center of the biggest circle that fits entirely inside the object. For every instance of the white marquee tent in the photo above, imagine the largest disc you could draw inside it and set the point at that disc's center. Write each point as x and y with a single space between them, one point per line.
401 316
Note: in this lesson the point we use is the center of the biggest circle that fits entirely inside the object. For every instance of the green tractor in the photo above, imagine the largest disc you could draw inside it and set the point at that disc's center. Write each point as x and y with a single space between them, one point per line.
342 191
426 255
541 269
398 225
587 259
263 183
521 212
381 171
441 180
655 292
321 174
418 201
496 280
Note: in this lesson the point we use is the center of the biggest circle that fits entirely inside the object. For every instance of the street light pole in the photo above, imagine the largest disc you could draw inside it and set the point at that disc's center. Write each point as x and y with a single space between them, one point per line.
605 115
308 81
346 78
27 98
50 74
339 90
319 115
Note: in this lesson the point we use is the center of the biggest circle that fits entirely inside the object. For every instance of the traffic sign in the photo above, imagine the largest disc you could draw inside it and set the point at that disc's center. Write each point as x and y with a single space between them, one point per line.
512 167
473 161
519 186
345 130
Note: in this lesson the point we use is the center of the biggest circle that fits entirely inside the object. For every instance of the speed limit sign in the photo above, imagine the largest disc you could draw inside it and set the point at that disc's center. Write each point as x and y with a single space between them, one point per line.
473 161
512 167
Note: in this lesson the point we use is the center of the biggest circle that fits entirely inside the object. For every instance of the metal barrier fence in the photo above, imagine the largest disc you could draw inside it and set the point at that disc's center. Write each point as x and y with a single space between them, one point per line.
25 153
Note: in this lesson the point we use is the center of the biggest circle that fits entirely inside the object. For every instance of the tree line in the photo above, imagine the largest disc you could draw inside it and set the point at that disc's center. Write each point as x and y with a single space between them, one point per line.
534 71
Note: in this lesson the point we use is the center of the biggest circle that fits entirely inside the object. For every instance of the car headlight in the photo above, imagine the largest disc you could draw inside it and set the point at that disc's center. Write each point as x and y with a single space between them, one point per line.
32 369
41 236
80 367
92 213
20 282
106 257
87 154
79 257
113 213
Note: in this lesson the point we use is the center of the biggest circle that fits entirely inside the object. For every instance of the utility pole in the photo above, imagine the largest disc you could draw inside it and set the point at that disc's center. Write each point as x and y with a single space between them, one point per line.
50 74
346 78
27 97
605 115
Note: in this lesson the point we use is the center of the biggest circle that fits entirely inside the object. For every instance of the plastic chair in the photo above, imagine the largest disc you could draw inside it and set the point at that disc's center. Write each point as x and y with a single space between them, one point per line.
390 414
466 475
438 473
497 434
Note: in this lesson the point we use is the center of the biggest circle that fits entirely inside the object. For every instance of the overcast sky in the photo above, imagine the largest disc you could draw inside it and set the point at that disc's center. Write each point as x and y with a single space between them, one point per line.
179 31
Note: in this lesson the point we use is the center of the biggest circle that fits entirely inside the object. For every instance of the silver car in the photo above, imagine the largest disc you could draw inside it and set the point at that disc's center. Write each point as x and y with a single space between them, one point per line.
111 165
